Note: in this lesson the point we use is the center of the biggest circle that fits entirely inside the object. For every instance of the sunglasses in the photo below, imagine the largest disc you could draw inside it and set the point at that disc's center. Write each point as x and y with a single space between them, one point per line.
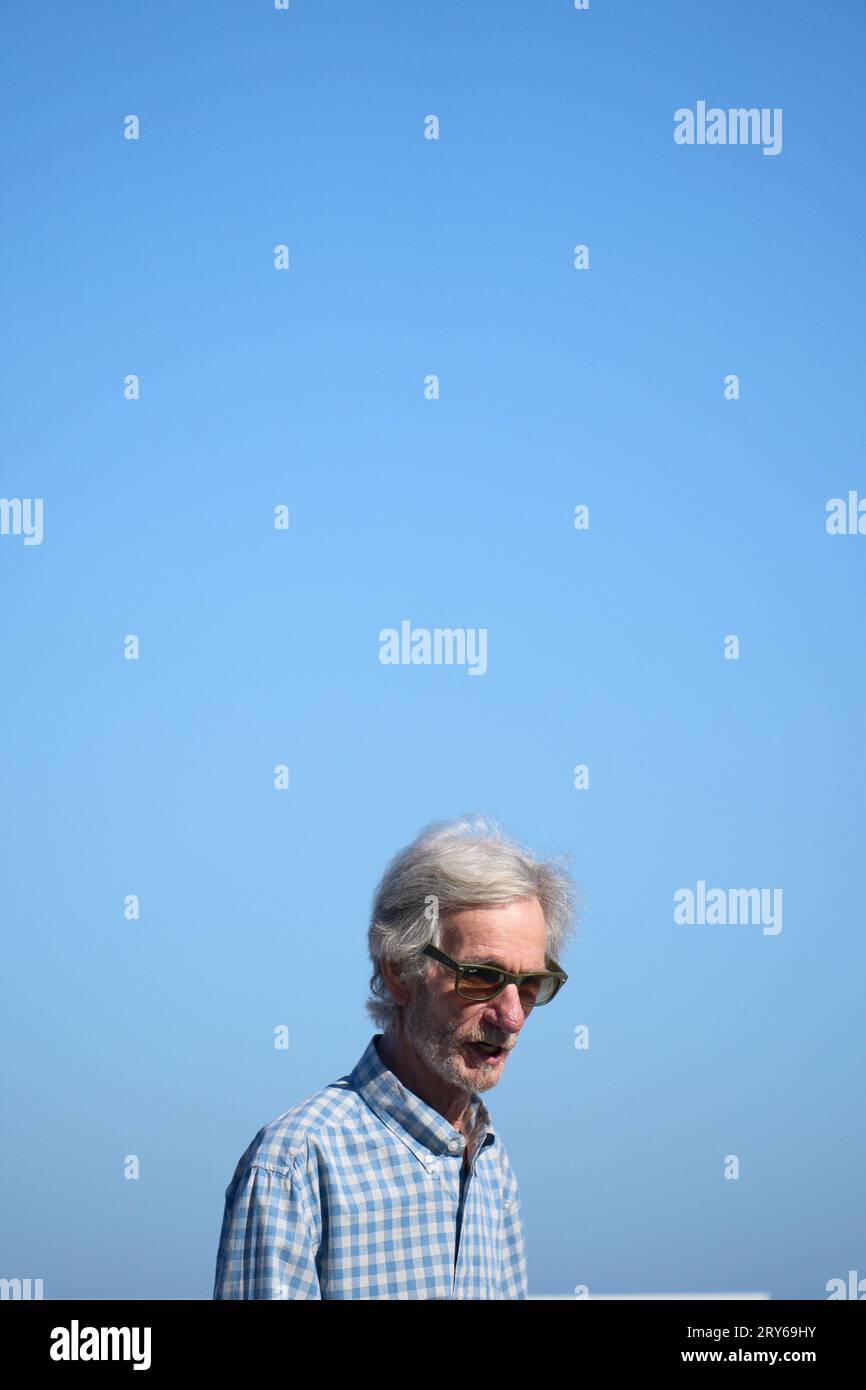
483 982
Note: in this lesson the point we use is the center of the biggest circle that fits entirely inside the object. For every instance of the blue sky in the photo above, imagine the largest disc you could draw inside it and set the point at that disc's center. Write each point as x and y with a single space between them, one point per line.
558 387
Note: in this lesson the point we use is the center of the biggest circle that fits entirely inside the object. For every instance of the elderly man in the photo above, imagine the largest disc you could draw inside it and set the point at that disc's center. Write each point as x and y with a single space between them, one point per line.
392 1182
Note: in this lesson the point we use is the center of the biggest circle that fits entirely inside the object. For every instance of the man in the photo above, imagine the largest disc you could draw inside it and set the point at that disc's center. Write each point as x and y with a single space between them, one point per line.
392 1182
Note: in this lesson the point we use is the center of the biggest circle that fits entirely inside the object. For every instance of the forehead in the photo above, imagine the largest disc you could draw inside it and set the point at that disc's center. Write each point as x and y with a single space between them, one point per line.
513 935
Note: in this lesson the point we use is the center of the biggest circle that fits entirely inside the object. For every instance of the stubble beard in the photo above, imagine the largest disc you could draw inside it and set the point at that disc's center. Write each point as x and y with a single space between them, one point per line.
439 1046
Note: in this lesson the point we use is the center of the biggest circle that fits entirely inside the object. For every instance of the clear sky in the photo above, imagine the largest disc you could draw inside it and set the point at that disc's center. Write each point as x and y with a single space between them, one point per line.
603 387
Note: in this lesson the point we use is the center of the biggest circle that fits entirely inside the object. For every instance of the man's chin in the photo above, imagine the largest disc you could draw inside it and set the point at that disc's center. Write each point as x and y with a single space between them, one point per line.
462 1065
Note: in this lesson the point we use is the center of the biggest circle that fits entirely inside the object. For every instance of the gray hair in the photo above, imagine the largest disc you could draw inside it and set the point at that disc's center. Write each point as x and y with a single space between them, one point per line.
454 864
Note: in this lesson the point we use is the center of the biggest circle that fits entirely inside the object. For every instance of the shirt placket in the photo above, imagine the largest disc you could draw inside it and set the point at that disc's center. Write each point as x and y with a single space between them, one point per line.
467 1170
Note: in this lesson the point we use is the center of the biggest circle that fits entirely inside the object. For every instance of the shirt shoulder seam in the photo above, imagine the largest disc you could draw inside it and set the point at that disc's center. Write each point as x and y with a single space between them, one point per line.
296 1169
284 1170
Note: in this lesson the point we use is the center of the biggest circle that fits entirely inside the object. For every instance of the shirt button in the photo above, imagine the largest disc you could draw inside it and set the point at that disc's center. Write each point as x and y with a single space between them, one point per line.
454 1145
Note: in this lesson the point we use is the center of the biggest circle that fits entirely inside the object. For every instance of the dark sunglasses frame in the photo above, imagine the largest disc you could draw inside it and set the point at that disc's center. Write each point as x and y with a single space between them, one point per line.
506 976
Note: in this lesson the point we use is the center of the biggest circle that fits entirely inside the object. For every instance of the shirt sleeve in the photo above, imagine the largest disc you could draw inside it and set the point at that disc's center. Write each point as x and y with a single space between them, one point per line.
266 1248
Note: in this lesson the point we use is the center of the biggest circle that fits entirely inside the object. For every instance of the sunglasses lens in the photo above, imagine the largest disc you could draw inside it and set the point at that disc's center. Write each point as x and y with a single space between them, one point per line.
536 992
479 983
545 990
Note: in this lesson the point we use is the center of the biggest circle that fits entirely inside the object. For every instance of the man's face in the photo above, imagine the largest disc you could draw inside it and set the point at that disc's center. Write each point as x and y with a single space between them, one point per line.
442 1026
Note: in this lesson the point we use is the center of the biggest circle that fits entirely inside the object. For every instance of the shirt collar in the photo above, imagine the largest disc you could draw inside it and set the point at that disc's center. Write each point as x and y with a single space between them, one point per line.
421 1127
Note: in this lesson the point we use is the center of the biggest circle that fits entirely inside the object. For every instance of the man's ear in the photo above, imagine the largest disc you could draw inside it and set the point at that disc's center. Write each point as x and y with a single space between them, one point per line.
399 992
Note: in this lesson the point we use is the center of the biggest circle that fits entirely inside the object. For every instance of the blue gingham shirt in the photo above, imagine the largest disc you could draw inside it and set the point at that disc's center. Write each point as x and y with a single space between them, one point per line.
362 1191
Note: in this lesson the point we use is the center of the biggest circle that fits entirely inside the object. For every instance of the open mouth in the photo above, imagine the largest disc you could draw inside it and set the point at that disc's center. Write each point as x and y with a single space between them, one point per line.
487 1052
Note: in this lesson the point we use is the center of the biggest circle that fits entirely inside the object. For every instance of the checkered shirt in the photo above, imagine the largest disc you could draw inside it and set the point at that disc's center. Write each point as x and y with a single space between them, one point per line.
364 1191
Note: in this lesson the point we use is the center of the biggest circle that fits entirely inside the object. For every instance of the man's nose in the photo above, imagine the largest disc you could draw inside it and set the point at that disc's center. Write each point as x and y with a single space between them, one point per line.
506 1011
